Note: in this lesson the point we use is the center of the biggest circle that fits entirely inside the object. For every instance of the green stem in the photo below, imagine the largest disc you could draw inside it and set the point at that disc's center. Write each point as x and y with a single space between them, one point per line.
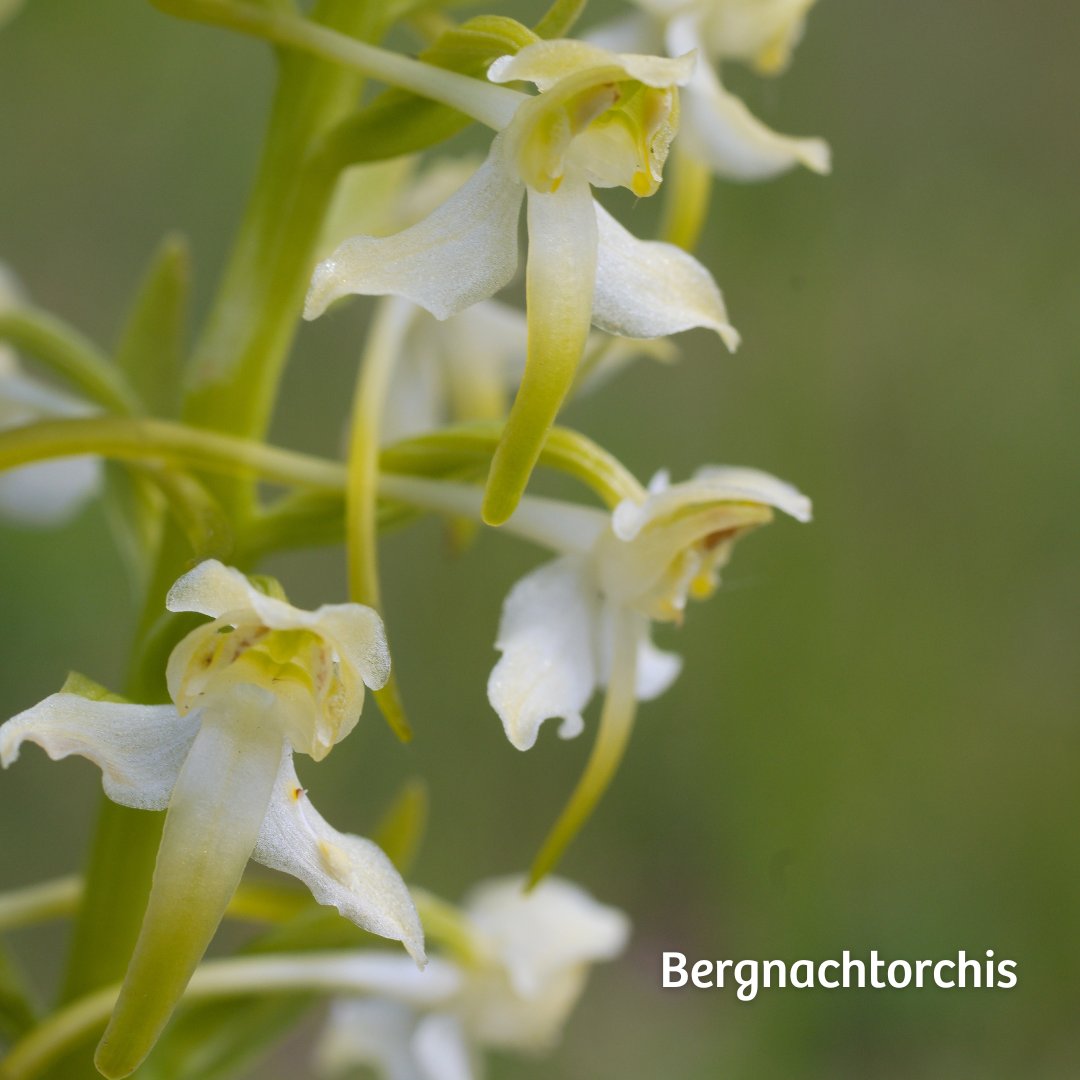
39 903
329 973
64 350
129 439
491 105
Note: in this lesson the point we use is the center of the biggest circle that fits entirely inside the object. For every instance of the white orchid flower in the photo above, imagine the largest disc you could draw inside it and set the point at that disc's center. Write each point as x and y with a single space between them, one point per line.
530 957
600 119
261 680
716 127
583 621
48 492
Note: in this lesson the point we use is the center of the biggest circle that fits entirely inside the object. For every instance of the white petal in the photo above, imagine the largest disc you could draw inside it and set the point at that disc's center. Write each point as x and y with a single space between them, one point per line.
359 636
341 870
442 1050
139 748
211 588
756 486
376 1033
462 253
539 934
720 130
49 493
715 484
647 289
547 636
656 670
544 63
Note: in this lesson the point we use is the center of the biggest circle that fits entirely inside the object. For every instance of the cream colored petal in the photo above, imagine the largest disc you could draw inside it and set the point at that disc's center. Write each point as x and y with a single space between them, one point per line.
710 485
139 748
461 253
548 639
368 1032
211 588
343 871
720 130
359 636
763 32
656 669
544 63
539 934
442 1050
649 289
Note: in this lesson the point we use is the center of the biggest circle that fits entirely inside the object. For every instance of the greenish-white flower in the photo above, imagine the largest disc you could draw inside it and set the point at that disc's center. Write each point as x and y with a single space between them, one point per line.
529 956
599 119
583 620
716 126
261 680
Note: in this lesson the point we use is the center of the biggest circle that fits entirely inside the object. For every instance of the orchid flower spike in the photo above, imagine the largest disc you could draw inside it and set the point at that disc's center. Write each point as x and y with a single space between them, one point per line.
600 119
583 620
717 127
48 492
530 955
261 680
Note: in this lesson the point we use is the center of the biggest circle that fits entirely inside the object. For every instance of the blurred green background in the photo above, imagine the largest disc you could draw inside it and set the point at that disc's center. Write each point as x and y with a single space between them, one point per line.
874 744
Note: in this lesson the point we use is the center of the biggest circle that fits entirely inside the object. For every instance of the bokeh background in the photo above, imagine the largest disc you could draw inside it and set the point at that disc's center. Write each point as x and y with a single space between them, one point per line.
874 744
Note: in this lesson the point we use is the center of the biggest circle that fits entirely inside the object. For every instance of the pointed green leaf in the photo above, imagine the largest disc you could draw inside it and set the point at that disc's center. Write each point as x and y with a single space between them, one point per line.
151 347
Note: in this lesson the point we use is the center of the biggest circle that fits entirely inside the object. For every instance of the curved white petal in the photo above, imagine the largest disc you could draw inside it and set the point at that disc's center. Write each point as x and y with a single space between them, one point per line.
538 934
341 870
656 670
212 588
648 289
442 1050
372 1032
713 484
49 493
544 63
548 639
355 630
462 253
720 130
762 32
139 748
